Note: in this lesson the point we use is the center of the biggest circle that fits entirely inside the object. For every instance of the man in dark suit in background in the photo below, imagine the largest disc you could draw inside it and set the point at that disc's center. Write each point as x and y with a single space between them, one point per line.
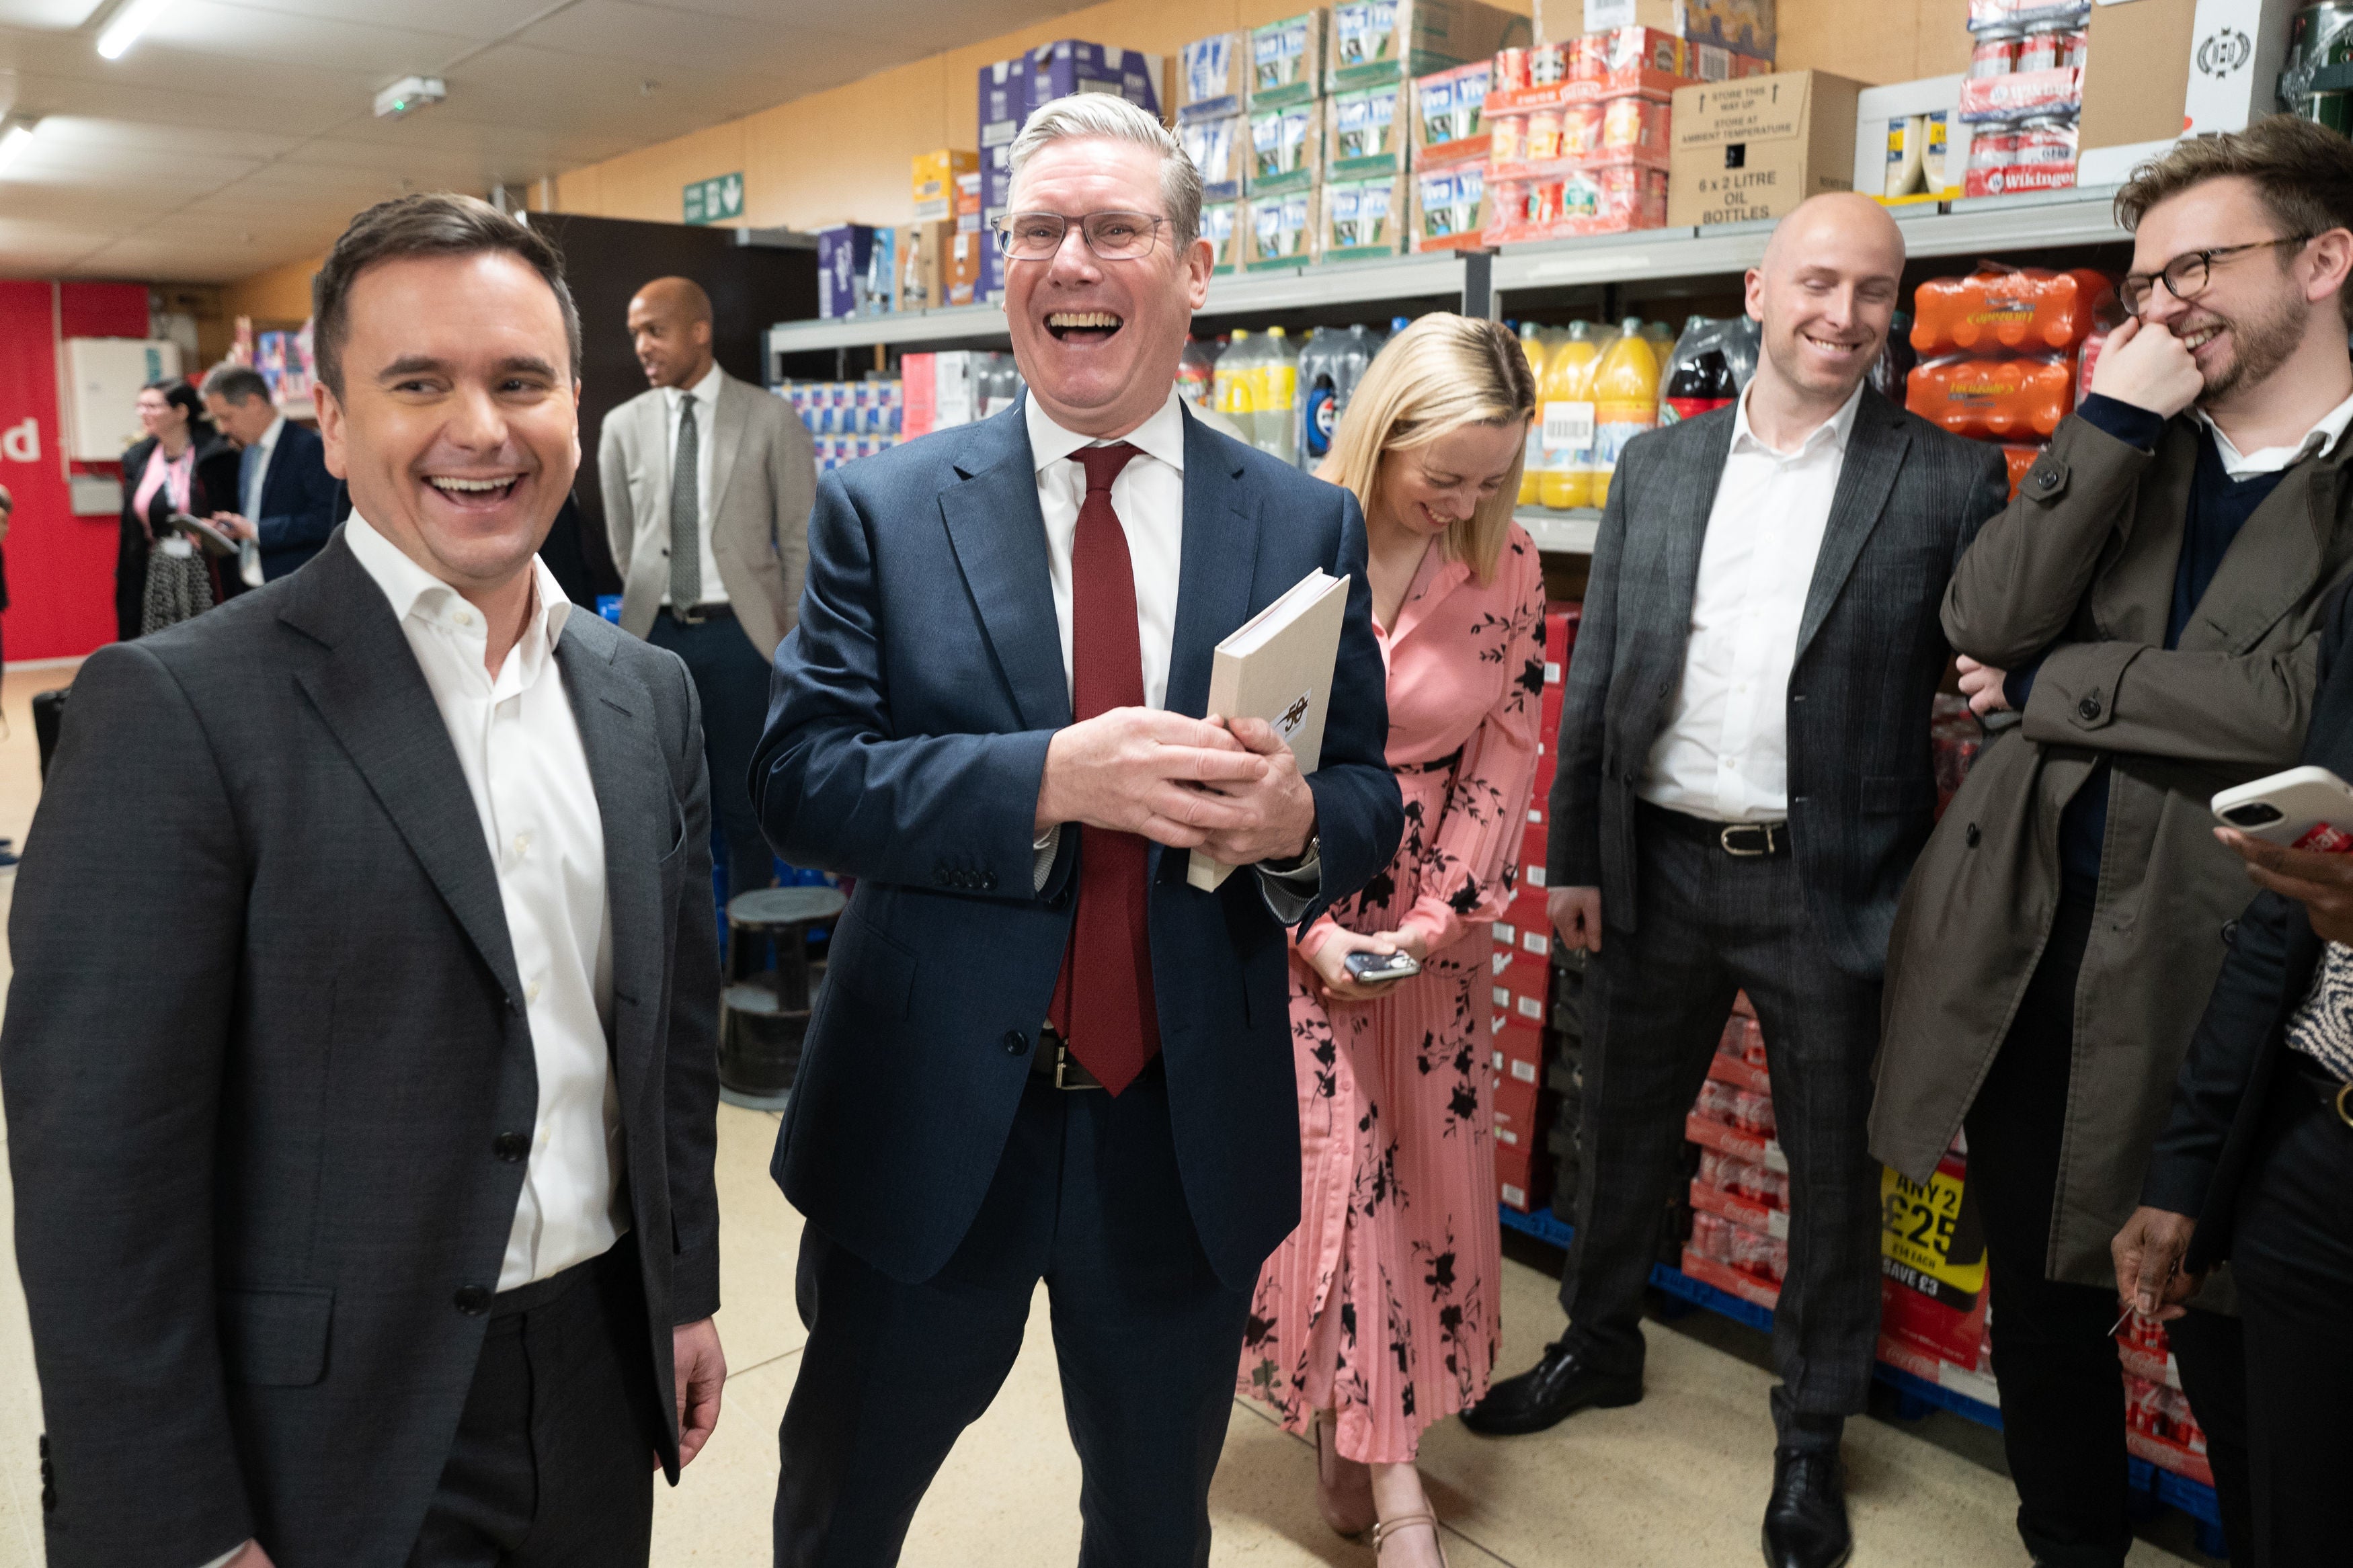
285 496
1041 1054
1744 780
365 1207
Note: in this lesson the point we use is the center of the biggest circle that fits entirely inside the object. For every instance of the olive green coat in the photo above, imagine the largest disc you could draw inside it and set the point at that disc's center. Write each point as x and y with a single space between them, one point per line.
2078 573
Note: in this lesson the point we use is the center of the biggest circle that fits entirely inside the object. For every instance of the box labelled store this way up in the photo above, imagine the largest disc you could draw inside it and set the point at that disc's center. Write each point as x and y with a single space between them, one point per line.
1756 147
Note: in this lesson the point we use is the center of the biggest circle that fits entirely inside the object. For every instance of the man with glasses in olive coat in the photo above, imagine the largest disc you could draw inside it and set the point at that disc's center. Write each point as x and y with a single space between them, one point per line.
2144 625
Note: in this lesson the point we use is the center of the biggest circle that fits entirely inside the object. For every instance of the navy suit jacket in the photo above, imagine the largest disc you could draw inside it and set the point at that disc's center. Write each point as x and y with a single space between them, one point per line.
907 732
298 501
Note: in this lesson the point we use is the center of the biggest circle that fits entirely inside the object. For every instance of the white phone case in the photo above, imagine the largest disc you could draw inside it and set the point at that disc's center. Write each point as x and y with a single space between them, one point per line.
2303 808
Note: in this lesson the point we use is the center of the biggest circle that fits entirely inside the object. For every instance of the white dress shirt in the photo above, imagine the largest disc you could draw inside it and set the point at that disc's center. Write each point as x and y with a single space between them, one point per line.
1723 753
2320 438
519 745
705 393
250 503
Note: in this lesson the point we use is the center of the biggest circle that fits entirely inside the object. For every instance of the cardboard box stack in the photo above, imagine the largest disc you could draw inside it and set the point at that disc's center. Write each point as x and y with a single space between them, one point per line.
2004 351
967 242
1911 144
847 419
1283 131
2023 97
1755 148
1528 1045
1449 144
1012 91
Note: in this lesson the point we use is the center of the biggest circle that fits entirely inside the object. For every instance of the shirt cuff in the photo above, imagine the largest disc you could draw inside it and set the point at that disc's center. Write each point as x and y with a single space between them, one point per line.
1043 847
2128 422
229 1557
1289 892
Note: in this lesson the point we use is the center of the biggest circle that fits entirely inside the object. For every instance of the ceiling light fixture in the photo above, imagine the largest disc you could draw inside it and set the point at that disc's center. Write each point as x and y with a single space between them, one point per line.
128 24
409 94
14 141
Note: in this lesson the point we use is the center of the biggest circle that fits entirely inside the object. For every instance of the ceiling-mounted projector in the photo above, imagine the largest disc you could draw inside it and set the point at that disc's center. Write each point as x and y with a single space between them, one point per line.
410 93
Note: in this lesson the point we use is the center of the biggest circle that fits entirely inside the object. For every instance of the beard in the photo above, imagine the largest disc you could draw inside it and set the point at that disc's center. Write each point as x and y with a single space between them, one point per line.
2259 345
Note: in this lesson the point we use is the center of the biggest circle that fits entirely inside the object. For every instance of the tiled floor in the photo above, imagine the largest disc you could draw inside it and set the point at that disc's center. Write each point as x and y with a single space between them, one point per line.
1677 1481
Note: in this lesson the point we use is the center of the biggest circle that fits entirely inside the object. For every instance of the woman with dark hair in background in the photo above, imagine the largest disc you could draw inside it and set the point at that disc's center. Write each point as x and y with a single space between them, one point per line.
182 466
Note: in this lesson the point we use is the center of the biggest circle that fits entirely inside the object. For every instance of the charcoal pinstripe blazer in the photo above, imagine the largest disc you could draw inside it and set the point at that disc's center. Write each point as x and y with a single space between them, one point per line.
1871 653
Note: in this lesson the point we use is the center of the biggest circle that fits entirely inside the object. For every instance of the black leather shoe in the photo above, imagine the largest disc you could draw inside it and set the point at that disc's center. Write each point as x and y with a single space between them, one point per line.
1805 1524
1549 1393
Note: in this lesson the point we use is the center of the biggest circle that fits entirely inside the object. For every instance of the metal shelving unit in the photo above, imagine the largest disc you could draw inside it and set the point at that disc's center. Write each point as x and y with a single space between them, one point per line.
1561 532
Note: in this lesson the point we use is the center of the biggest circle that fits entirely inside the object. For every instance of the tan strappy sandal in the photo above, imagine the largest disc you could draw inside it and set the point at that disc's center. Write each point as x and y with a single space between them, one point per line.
1387 1528
1327 1459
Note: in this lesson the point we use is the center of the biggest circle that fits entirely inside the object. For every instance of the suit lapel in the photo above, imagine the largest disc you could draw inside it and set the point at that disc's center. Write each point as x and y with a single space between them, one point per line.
1670 555
653 432
998 535
729 423
1220 564
372 697
635 799
1874 455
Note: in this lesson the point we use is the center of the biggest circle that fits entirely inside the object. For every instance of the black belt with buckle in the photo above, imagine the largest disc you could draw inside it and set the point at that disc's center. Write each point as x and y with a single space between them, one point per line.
1751 840
695 615
1052 1061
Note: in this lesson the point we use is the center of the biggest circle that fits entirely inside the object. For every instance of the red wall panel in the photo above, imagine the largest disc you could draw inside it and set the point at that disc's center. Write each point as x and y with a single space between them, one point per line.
61 567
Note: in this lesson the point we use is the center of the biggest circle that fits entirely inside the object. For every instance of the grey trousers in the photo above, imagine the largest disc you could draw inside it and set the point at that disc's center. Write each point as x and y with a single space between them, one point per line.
1709 924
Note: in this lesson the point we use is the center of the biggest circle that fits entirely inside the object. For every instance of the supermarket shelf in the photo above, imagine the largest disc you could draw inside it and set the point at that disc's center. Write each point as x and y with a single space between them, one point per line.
1561 532
963 324
1920 1396
1988 225
1437 276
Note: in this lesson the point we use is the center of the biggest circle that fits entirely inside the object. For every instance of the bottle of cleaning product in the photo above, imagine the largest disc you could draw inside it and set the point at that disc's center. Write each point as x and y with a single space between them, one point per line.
1276 373
1564 420
1625 401
1532 467
1232 385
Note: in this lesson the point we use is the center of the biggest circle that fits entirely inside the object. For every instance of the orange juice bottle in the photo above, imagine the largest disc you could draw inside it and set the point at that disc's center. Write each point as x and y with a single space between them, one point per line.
1564 420
1625 402
1531 469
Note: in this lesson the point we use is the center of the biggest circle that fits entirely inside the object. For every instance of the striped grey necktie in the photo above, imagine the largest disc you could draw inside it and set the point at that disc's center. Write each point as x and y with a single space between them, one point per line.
685 537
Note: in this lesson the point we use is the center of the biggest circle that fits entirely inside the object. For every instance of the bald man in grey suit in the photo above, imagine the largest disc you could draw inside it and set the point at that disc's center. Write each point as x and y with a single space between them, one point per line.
708 482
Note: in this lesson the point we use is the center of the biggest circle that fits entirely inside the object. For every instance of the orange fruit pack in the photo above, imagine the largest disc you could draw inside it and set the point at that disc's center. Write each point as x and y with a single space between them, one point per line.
1996 399
1998 310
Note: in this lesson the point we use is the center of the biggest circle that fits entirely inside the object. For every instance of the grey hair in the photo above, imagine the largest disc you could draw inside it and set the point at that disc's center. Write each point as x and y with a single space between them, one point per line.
1102 114
236 383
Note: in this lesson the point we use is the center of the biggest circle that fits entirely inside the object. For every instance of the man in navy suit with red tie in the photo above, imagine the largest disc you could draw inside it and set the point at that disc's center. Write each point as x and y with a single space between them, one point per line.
1040 1054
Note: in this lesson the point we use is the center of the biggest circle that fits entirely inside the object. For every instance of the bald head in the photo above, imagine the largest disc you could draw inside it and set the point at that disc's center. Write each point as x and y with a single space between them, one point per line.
669 330
1824 296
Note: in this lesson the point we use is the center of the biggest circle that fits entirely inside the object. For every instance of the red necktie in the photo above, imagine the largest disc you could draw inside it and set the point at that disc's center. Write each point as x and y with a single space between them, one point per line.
1103 1002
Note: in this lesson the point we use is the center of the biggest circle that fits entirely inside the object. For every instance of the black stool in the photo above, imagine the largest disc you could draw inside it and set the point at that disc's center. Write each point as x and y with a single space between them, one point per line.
762 1014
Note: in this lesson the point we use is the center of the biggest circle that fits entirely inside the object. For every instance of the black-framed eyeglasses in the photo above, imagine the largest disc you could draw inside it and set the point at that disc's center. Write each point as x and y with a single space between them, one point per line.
2186 275
1113 236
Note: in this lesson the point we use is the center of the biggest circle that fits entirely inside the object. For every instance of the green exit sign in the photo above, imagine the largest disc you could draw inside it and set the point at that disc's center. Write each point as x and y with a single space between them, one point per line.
716 199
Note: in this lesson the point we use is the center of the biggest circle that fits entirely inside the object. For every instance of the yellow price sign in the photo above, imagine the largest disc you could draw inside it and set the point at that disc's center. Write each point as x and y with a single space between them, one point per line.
1928 1241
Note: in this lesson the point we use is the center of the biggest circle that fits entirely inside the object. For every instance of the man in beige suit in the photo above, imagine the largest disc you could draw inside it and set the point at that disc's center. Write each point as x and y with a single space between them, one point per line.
708 483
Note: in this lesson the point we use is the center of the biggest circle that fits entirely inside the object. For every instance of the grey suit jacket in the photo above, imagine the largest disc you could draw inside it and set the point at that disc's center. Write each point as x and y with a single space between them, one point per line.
1871 652
763 481
264 1033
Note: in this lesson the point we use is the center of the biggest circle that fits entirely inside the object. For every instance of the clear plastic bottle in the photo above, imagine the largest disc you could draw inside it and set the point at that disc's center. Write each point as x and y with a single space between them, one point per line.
1196 371
1233 385
1311 435
1276 374
1625 401
1564 420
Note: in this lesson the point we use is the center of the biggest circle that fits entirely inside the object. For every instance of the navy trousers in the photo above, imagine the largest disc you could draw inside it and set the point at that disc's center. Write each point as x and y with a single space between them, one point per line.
732 680
1087 1198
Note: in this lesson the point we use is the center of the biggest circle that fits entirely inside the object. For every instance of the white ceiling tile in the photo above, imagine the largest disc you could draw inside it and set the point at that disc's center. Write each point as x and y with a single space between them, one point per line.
49 13
358 40
481 20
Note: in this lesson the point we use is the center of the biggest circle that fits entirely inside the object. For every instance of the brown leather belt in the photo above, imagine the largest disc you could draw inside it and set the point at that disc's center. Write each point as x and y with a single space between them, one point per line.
2336 1096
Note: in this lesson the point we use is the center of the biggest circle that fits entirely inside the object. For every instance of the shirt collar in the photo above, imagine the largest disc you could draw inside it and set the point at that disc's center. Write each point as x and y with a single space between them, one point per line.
268 441
2320 438
413 591
703 391
1838 427
1161 437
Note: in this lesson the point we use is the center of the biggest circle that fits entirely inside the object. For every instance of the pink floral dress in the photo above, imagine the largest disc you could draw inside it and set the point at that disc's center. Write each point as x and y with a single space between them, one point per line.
1384 1304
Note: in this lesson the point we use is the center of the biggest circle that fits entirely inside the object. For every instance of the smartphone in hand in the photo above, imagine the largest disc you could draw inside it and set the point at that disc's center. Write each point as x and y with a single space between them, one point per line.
1374 968
2303 808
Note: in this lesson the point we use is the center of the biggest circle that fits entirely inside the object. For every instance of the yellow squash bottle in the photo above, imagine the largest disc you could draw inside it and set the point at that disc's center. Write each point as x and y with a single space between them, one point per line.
1531 469
1564 417
1625 402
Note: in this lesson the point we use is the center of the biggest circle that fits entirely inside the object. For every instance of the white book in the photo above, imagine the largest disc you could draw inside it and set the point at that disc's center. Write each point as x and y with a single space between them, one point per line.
1277 665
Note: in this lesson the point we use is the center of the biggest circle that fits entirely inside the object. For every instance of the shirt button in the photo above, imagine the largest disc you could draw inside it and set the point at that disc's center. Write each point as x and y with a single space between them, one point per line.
465 617
523 843
512 1146
472 1300
530 991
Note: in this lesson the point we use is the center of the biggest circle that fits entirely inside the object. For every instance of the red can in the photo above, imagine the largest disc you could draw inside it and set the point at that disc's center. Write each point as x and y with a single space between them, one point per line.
2042 50
2072 47
1511 69
1997 52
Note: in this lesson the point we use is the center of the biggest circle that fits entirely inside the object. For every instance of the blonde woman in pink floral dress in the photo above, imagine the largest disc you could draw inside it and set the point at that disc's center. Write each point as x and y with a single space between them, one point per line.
1379 1316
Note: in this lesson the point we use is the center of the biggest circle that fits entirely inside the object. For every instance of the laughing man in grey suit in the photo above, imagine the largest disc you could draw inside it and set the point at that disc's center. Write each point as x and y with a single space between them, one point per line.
1744 780
364 1207
708 483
